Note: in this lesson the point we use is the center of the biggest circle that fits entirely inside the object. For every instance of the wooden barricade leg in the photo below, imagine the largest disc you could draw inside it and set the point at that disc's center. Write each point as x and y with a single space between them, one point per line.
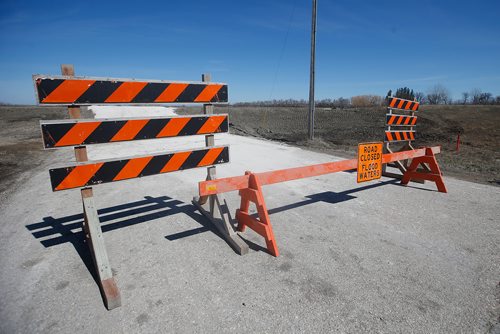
433 175
95 240
218 212
262 226
92 225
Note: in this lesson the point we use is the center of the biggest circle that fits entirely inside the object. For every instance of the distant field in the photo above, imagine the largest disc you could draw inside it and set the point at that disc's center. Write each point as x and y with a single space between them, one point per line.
338 131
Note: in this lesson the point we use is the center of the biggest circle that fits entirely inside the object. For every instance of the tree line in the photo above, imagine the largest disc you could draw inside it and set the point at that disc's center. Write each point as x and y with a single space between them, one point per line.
438 94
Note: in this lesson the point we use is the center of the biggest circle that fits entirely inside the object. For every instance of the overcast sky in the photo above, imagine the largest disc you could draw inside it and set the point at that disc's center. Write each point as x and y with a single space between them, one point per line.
260 48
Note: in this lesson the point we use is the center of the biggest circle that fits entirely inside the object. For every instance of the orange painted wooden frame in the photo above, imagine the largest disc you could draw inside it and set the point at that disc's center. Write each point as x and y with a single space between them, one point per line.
227 184
250 186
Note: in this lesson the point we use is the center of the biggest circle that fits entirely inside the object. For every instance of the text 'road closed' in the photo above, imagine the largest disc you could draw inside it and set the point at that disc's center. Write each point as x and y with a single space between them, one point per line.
369 161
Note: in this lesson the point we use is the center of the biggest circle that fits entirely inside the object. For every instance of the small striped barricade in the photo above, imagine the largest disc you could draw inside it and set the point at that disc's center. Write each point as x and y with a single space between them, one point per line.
400 132
75 132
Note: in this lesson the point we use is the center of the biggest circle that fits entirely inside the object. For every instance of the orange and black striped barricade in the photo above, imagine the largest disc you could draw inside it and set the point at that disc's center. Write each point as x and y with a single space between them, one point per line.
77 133
400 131
250 186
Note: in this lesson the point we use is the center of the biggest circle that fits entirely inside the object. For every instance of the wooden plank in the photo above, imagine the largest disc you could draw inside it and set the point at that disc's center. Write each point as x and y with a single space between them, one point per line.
64 90
63 133
112 170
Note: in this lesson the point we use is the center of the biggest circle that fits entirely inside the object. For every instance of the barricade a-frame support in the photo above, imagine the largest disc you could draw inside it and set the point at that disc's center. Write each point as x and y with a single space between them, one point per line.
92 226
250 186
217 211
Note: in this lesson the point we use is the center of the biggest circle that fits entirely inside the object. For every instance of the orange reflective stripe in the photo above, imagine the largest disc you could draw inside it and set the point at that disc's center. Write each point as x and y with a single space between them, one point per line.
393 102
389 135
133 168
391 120
68 91
405 135
407 121
210 157
415 107
77 134
126 92
130 130
211 124
79 176
175 162
208 93
414 121
400 119
173 127
401 102
171 92
398 136
412 135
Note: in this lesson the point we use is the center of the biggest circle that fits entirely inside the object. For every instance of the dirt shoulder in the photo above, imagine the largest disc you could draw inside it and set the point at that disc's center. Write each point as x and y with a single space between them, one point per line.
21 147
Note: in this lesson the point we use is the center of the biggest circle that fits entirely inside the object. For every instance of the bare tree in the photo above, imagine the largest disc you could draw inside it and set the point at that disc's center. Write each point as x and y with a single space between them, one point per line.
475 95
465 97
438 95
420 97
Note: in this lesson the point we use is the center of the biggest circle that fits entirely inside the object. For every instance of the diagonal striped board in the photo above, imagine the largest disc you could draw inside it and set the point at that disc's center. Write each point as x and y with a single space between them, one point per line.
397 103
85 132
399 135
104 171
401 120
87 90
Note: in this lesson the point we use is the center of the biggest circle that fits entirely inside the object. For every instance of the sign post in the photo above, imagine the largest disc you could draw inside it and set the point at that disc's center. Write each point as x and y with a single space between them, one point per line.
369 161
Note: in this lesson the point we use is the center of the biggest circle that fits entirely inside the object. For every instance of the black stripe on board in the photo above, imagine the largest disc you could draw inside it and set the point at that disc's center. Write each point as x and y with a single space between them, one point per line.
98 92
150 92
221 95
104 132
52 133
224 126
156 164
57 175
152 128
194 159
108 172
223 156
192 127
46 86
190 93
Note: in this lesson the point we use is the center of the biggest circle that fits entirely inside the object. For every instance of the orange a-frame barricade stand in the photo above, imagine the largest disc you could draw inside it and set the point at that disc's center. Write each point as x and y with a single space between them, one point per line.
250 185
75 91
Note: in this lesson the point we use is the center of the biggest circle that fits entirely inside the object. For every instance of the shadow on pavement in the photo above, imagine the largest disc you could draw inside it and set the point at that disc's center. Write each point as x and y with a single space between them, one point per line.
55 231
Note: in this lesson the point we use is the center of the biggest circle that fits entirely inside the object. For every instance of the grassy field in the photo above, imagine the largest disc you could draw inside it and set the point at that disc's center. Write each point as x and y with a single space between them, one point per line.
338 131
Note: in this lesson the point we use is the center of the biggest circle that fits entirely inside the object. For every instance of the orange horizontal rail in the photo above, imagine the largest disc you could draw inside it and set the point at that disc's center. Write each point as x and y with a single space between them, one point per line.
233 183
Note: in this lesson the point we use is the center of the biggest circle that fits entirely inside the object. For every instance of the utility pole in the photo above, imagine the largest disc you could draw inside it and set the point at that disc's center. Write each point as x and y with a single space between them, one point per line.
311 72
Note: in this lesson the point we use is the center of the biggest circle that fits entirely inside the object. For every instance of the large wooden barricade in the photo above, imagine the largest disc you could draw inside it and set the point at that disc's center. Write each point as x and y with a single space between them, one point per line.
74 91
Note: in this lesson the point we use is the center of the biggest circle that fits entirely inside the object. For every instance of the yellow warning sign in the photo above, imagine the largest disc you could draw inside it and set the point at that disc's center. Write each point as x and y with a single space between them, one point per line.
369 161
